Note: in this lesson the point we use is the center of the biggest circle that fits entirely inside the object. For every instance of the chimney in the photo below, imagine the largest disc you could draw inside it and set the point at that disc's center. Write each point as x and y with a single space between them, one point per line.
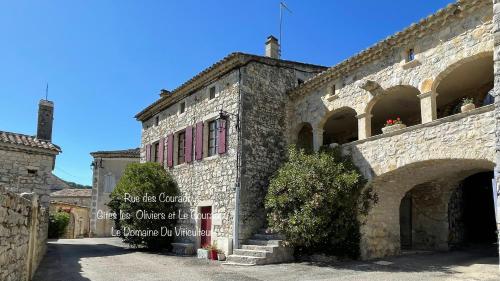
45 119
272 47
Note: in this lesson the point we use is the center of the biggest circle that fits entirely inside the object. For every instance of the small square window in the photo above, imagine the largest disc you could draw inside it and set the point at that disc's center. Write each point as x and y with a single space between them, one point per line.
32 172
182 107
211 93
410 56
300 81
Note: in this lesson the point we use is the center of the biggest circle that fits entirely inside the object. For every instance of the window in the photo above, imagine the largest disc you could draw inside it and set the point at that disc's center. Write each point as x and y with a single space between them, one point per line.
300 81
334 89
212 138
109 183
182 107
181 147
32 172
156 152
157 120
211 93
410 55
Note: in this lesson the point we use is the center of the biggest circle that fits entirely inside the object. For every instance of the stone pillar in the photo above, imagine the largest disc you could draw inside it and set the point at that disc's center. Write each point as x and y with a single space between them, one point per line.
496 59
317 138
428 106
364 126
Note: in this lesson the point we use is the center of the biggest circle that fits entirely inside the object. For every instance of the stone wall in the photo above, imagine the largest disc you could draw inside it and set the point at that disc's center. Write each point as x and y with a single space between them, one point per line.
397 162
210 181
496 36
27 170
264 104
23 234
437 52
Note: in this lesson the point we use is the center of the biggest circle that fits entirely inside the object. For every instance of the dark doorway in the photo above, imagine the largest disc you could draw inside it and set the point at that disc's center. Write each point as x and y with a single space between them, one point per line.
405 222
479 213
206 226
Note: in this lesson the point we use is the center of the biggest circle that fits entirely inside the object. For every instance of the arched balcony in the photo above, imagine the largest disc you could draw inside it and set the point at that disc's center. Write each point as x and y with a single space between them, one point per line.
340 127
470 78
398 102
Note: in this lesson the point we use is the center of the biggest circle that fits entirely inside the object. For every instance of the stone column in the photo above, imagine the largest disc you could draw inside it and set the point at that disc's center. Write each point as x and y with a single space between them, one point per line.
317 138
496 59
364 126
428 106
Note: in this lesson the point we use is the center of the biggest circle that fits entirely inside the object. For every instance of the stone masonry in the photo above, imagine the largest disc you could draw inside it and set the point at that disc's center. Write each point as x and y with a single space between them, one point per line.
421 74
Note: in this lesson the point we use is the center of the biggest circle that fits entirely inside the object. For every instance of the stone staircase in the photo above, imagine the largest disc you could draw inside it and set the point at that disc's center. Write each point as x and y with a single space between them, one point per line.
264 247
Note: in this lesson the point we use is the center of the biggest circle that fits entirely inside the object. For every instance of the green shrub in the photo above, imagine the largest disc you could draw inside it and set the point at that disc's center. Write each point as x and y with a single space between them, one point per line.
57 224
140 180
314 200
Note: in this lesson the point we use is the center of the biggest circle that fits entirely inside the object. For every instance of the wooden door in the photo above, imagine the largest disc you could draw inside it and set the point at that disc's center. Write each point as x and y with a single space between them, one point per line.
206 226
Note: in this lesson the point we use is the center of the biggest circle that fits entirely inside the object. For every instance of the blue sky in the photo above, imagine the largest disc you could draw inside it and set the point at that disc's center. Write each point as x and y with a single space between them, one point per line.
107 60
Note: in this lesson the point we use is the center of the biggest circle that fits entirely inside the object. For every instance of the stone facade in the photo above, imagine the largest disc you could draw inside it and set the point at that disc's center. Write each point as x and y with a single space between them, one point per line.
252 92
108 167
23 232
419 75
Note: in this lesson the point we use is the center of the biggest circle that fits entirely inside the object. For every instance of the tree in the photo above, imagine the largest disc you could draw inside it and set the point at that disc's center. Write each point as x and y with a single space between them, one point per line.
138 193
57 224
314 200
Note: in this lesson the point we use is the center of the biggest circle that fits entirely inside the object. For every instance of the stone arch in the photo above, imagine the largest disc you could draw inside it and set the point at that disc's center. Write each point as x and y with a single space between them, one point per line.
339 126
468 77
304 136
398 101
381 233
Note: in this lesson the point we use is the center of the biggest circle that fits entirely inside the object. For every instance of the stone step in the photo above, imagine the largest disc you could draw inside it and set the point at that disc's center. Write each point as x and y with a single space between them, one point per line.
252 253
259 248
237 259
264 242
274 236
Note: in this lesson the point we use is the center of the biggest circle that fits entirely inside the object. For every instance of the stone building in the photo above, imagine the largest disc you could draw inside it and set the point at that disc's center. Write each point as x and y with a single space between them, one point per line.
77 196
108 167
26 164
224 132
79 218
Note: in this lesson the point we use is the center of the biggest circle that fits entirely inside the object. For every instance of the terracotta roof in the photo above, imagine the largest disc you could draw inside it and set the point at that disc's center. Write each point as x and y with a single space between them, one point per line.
29 141
72 192
216 70
127 153
426 25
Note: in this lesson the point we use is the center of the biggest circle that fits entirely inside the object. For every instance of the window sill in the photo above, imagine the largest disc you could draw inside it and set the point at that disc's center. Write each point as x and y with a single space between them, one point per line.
332 97
411 64
211 157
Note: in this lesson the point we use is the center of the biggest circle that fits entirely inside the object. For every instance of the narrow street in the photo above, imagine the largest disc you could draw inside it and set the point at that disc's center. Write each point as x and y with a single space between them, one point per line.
106 259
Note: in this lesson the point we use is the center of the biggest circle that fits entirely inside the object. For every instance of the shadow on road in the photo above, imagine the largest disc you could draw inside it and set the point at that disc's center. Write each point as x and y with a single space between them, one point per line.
62 261
444 262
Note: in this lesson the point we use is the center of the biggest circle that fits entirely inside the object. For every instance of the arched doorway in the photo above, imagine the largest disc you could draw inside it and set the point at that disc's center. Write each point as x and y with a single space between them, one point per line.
469 78
305 137
413 205
341 127
397 102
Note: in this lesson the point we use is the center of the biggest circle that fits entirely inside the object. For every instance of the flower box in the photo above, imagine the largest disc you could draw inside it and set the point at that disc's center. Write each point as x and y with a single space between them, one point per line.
467 107
393 128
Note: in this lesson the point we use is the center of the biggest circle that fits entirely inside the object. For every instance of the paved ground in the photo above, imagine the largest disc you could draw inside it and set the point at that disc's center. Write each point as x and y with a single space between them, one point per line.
103 259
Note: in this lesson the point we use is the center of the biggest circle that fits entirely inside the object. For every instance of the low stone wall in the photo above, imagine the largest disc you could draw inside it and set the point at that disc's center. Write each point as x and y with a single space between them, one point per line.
23 234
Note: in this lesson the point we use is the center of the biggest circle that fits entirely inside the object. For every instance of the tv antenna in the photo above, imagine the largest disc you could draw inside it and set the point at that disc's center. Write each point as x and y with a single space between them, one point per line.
47 92
282 6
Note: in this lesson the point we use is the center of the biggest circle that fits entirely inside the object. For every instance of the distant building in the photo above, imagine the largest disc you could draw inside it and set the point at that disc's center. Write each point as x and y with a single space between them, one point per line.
77 196
108 167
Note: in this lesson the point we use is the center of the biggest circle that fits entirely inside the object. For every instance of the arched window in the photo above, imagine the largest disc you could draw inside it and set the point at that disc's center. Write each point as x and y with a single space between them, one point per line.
341 127
305 138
